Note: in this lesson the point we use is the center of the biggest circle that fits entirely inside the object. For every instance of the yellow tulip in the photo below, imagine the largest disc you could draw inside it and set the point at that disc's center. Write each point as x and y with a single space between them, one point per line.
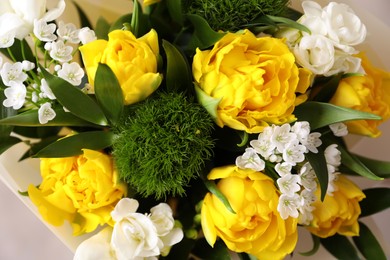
81 189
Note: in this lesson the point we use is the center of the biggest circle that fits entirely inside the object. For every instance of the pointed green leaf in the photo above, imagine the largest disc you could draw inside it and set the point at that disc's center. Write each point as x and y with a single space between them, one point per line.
353 163
73 145
340 247
135 18
316 246
37 146
37 132
320 114
73 99
209 103
8 143
30 118
108 93
178 75
289 23
377 199
212 187
203 36
102 28
175 10
368 245
318 162
380 168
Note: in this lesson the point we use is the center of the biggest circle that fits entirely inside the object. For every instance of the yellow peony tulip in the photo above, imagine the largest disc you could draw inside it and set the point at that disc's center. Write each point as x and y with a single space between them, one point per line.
81 189
368 93
338 213
255 80
133 61
257 227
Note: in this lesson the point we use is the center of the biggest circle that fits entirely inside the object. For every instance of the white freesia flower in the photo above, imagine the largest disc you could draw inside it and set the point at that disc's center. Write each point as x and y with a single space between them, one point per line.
68 32
86 35
345 63
283 168
308 177
13 72
250 160
313 18
7 40
289 205
46 90
18 16
134 234
72 73
332 155
294 153
344 27
316 53
339 129
288 184
96 247
46 113
16 95
43 31
61 52
282 136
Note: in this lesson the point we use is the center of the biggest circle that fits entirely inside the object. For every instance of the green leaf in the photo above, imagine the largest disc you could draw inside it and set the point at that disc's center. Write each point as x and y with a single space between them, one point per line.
320 114
76 101
203 36
135 18
212 187
353 163
318 162
288 22
316 246
380 168
327 86
175 10
37 146
84 21
119 23
30 118
37 132
377 199
178 75
340 247
209 103
108 93
73 145
8 143
368 245
102 28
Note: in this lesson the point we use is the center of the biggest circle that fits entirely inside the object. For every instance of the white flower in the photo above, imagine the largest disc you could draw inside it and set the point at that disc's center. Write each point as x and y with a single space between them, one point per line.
72 73
134 234
332 155
96 247
7 40
27 65
46 113
316 53
61 52
339 129
301 129
332 177
68 32
288 184
46 90
308 177
250 160
345 63
12 72
306 216
16 95
312 142
283 168
161 216
86 35
289 205
18 16
313 18
43 31
282 136
344 27
294 153
263 145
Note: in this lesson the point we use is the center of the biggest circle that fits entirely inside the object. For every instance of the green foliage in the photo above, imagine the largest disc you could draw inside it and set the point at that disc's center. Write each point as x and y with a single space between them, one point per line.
164 143
377 199
232 15
340 247
368 245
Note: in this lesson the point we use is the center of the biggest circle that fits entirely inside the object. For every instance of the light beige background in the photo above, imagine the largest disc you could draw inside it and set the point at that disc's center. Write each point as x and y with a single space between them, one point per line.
23 236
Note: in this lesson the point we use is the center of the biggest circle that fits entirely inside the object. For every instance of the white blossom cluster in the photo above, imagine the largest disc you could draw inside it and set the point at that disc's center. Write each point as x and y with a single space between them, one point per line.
24 82
329 48
285 147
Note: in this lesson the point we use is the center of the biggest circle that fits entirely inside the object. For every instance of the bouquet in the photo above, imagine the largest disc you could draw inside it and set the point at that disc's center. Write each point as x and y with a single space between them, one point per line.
197 129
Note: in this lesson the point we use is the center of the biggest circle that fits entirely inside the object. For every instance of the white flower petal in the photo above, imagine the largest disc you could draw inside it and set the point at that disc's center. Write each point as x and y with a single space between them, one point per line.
96 247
